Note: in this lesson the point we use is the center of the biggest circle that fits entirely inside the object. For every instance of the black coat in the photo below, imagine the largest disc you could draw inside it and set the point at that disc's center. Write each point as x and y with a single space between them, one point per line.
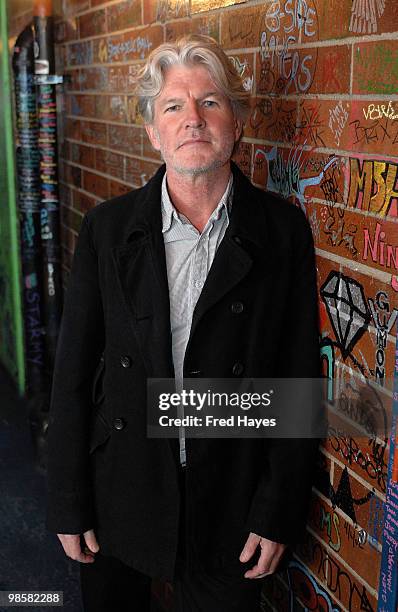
103 472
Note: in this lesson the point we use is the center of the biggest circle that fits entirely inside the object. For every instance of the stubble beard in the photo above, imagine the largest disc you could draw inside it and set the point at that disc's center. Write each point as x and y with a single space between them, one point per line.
210 166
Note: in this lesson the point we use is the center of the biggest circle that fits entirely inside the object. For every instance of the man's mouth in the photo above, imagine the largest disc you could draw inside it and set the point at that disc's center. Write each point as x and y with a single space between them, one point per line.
193 141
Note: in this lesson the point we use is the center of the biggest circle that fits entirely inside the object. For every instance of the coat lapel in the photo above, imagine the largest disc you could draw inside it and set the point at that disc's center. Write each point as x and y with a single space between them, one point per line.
244 239
142 270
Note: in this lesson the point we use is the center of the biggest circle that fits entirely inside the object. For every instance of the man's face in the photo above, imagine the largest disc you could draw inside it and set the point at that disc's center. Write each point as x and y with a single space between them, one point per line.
194 127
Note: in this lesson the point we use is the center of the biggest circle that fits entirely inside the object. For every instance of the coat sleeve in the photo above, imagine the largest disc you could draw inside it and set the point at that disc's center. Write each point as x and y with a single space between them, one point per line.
280 505
79 347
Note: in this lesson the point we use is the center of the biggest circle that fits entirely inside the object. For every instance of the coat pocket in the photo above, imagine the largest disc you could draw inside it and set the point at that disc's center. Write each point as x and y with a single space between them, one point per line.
100 431
97 389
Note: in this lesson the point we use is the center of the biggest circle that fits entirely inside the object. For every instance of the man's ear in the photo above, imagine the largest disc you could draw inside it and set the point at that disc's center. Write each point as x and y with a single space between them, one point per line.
153 136
238 129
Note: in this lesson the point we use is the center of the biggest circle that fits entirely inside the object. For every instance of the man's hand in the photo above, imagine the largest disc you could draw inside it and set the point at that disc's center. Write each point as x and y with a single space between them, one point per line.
271 553
72 548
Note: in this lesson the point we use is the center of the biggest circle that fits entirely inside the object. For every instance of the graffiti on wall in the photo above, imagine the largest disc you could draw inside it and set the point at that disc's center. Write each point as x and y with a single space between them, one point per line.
284 175
364 15
343 585
374 186
304 586
283 68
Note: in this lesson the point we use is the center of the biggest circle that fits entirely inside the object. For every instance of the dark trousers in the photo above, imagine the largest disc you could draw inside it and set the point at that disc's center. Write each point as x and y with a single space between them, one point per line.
108 585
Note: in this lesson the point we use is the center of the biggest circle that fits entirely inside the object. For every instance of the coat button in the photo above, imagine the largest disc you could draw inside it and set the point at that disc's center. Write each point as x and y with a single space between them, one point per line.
195 373
119 423
237 307
125 360
237 368
237 239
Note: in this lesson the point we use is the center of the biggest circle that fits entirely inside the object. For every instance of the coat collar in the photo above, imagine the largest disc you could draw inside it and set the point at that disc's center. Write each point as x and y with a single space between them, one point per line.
141 266
149 216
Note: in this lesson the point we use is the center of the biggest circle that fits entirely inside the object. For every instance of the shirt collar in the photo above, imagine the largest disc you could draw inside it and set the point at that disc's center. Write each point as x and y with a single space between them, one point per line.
169 212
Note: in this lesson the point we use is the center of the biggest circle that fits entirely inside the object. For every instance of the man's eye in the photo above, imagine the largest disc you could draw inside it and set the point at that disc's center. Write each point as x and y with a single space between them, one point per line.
172 108
209 103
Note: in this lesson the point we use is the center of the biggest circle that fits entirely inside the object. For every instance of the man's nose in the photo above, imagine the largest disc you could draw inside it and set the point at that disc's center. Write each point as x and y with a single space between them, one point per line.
194 116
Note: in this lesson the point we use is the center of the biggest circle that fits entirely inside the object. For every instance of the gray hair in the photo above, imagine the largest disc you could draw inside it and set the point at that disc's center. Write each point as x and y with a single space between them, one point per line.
190 50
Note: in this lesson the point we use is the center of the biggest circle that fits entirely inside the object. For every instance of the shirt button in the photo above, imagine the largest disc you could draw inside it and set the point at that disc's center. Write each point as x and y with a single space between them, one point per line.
119 423
237 307
125 360
198 284
237 368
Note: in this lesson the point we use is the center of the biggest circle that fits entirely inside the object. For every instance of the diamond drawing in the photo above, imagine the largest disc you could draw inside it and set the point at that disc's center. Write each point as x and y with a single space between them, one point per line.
347 309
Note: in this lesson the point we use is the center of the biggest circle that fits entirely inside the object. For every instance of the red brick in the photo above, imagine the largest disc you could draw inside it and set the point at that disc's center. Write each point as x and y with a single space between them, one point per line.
343 585
92 24
82 105
365 456
117 189
241 28
122 78
79 54
82 155
124 15
133 114
148 150
243 157
134 45
101 107
272 119
65 31
72 80
93 78
110 163
364 22
244 66
353 22
334 19
198 6
71 218
65 195
260 165
373 186
138 171
333 68
72 128
373 127
209 25
126 138
65 151
82 202
93 132
330 172
76 6
73 175
361 498
323 123
96 184
367 79
349 541
164 11
118 109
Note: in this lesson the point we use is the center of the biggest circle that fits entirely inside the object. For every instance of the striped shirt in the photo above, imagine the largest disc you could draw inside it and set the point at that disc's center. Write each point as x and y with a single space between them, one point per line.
189 255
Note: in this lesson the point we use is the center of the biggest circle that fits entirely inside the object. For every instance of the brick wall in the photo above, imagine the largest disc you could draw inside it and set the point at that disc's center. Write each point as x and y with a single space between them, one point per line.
324 133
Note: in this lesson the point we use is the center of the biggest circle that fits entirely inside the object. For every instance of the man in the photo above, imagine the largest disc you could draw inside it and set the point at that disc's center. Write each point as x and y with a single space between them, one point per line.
197 274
